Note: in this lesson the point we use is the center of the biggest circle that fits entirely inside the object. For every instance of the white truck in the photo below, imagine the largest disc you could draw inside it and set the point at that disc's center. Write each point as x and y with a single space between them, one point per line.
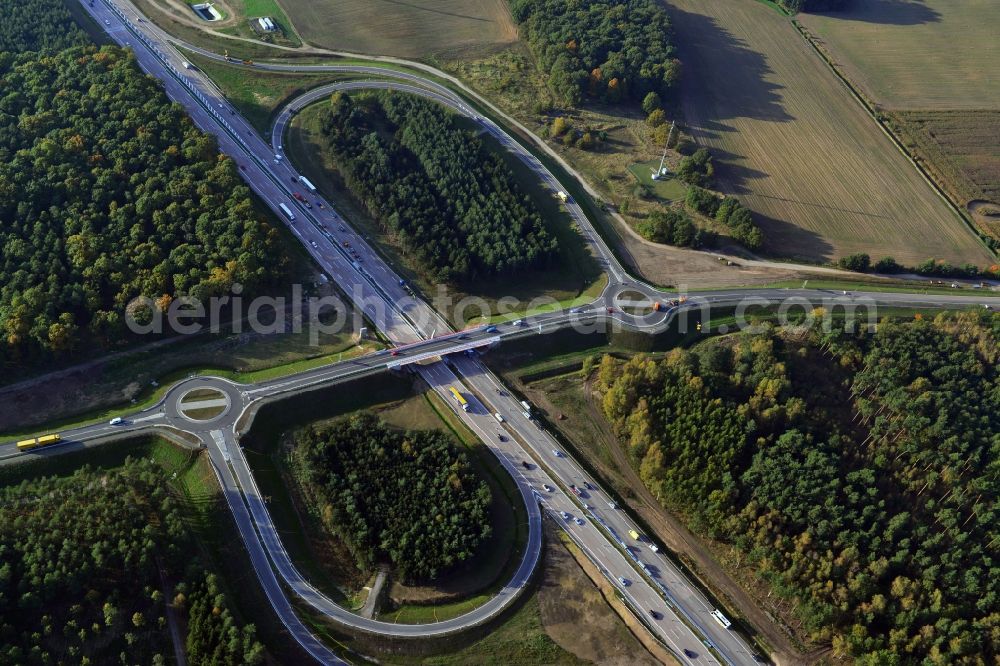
287 211
305 181
499 417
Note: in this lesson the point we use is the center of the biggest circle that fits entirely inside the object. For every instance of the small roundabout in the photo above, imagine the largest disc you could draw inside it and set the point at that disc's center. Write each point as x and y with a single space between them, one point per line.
200 404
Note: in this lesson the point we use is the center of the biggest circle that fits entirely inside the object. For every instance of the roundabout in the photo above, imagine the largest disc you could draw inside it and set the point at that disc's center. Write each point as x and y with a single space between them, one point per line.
208 408
203 404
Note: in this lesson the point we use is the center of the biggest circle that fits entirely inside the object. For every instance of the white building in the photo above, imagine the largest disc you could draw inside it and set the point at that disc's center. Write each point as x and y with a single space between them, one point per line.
266 24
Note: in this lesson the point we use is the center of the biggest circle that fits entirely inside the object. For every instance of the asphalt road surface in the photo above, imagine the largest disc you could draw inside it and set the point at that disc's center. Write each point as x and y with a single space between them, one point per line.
671 606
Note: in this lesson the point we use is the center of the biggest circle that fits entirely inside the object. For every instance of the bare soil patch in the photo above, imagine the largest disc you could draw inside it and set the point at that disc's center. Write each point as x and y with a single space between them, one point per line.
576 614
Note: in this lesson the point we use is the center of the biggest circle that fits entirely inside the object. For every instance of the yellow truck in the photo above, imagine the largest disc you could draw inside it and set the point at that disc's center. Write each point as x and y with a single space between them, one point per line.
35 442
460 398
634 535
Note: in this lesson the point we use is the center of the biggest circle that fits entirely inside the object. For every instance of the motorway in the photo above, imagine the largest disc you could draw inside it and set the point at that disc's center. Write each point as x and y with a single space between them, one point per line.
682 622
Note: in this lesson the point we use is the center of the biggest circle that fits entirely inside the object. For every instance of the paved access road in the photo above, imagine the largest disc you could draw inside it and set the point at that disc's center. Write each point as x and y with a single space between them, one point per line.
376 290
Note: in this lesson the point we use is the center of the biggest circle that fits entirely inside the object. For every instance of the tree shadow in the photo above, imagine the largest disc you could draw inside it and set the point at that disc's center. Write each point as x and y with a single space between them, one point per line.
726 78
785 240
733 176
887 12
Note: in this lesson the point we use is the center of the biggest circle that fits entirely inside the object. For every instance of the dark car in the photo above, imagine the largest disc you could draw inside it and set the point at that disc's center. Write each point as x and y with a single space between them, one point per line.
524 463
690 654
653 614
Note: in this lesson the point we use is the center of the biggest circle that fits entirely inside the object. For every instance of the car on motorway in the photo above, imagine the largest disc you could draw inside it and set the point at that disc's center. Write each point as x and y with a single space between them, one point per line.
394 352
588 485
319 204
243 167
116 421
576 491
295 180
575 310
525 464
491 329
557 453
565 516
547 487
611 310
342 228
501 437
690 654
579 521
612 505
313 243
653 614
624 581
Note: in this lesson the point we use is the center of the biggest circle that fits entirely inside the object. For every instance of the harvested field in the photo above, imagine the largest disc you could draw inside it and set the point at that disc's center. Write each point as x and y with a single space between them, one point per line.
407 29
963 148
791 141
942 101
917 54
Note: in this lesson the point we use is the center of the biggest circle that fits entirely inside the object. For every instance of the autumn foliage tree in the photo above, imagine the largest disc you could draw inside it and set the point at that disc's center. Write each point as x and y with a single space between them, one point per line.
859 473
614 50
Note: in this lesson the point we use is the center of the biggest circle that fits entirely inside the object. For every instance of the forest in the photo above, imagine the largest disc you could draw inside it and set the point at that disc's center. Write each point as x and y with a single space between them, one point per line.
108 192
84 565
39 25
858 473
405 497
611 50
448 199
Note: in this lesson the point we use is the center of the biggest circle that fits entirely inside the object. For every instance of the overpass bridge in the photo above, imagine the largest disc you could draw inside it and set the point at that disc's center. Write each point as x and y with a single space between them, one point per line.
408 359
